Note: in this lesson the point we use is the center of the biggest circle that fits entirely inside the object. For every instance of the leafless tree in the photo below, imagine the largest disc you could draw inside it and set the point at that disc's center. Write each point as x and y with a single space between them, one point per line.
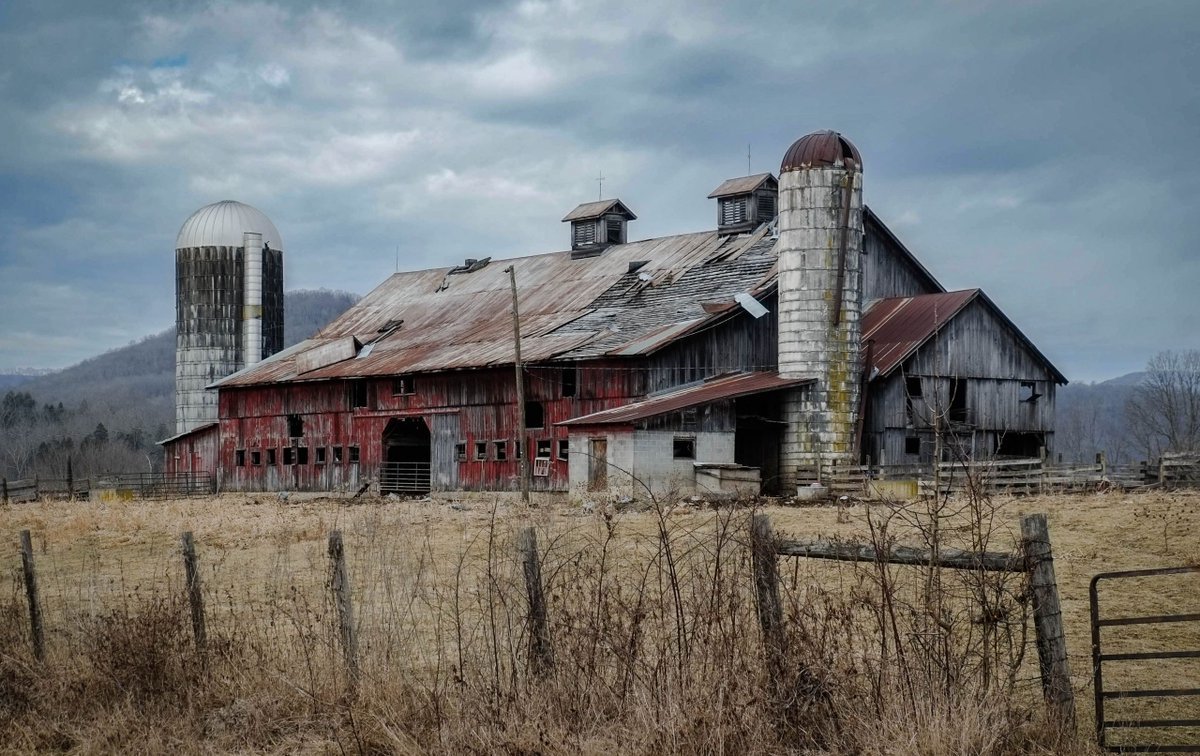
1164 411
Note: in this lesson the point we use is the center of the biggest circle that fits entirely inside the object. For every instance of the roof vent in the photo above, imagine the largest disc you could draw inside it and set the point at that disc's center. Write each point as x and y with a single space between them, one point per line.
597 225
745 203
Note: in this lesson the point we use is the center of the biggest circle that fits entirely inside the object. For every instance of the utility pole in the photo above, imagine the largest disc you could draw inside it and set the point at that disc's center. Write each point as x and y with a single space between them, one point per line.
521 443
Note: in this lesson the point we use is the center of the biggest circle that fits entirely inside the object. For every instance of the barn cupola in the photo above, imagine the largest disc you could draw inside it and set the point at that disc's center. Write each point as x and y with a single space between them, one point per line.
597 225
745 203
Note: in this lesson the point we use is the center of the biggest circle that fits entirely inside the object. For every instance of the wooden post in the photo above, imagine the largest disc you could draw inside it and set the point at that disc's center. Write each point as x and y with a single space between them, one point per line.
541 655
31 591
70 482
5 481
340 585
1102 461
766 588
195 597
1047 620
523 443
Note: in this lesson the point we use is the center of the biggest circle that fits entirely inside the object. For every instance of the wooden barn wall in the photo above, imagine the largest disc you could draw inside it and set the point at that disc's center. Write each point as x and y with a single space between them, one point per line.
976 344
743 343
888 272
194 453
462 407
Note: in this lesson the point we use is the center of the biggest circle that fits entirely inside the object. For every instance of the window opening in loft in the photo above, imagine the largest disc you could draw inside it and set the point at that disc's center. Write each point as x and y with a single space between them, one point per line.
958 401
912 445
352 451
302 455
614 231
543 448
358 394
320 452
295 425
684 447
535 415
256 457
570 380
912 391
460 451
501 450
402 385
1029 392
564 448
480 451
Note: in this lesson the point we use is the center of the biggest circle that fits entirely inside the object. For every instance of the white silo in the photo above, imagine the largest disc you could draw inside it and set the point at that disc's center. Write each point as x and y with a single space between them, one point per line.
228 302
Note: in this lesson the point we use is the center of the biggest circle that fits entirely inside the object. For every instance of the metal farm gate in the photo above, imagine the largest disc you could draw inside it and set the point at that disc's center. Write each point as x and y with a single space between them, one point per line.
404 477
1182 732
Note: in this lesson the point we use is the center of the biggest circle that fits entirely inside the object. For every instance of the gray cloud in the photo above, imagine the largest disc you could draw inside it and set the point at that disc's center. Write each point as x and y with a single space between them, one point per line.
1044 152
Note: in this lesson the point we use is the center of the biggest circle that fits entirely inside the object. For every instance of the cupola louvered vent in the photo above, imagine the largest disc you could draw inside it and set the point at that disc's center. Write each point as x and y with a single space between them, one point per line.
745 203
598 225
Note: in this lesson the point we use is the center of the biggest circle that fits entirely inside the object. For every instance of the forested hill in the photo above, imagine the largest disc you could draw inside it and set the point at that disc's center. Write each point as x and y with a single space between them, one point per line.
126 395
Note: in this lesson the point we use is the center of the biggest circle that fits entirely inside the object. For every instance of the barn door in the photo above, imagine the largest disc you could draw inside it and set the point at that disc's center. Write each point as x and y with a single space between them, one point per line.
598 465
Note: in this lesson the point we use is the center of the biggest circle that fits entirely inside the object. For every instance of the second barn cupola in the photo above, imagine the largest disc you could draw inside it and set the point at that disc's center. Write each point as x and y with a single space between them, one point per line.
596 225
745 203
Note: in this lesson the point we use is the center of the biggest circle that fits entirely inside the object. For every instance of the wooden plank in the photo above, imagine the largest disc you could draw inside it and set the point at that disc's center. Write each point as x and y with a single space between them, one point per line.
951 558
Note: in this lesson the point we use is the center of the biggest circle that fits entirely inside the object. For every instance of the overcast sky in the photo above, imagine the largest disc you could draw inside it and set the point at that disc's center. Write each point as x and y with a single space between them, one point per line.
1045 152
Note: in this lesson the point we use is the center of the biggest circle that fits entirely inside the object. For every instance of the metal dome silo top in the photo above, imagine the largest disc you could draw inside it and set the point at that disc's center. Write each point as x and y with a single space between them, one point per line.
818 149
222 224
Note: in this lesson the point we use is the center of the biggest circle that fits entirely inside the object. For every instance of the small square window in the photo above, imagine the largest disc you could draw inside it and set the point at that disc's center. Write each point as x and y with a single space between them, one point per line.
1029 392
684 447
564 448
289 455
501 448
256 457
460 451
337 455
402 385
239 457
535 415
690 417
358 394
543 448
912 445
320 452
302 455
270 456
570 380
480 450
353 452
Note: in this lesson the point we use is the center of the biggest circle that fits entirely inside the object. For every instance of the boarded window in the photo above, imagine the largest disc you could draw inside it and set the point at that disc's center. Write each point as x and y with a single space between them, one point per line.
302 455
570 380
352 451
733 210
564 448
239 457
543 448
256 457
501 448
337 455
480 450
535 415
460 451
295 426
320 452
402 385
684 447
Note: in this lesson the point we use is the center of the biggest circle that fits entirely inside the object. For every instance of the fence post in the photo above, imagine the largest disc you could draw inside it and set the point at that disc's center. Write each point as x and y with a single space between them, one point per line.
1102 461
31 591
195 597
541 654
5 481
766 588
340 585
1047 619
70 481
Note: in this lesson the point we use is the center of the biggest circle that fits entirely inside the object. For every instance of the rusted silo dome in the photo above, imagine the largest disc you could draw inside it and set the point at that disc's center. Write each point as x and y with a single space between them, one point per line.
820 148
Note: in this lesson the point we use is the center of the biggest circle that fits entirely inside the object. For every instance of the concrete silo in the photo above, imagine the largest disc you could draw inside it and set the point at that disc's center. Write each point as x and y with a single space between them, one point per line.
228 302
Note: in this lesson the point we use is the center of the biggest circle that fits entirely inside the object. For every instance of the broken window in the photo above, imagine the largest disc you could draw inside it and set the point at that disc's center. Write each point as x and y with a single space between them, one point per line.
480 450
320 451
535 415
256 457
570 379
1029 391
501 448
352 451
543 448
460 451
912 391
564 448
958 401
615 231
270 456
337 455
295 425
239 457
684 447
402 385
302 455
289 455
358 394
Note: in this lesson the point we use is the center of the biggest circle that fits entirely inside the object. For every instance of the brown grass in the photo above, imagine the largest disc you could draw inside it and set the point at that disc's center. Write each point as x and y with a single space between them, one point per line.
652 620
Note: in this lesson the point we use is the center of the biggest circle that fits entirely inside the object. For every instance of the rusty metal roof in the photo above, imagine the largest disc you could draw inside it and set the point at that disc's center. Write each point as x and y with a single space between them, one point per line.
820 148
728 386
589 210
743 185
897 327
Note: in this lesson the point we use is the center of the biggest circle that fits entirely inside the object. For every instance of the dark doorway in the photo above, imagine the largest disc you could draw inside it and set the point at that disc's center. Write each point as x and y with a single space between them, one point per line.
1022 445
758 437
406 457
598 465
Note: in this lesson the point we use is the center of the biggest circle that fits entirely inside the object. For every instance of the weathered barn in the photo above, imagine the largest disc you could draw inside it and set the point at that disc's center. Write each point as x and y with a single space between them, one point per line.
745 358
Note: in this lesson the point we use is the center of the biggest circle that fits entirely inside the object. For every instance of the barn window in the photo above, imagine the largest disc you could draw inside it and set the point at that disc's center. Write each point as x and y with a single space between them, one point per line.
256 457
912 445
271 456
684 447
239 457
570 380
535 415
564 448
516 449
460 451
337 455
543 448
320 452
358 394
958 401
289 455
352 452
480 450
501 448
1029 392
615 230
689 418
302 455
402 385
295 426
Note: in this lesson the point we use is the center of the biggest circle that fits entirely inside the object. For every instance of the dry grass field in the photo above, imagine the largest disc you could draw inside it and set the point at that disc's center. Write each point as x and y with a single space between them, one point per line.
652 622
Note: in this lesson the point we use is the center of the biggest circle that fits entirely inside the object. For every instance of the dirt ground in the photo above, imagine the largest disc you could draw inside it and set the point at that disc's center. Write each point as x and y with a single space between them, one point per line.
253 547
